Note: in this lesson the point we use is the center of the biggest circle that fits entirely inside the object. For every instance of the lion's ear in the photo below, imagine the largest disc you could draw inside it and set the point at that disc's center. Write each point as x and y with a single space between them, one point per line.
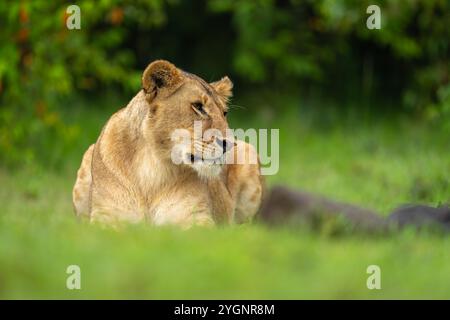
160 75
223 88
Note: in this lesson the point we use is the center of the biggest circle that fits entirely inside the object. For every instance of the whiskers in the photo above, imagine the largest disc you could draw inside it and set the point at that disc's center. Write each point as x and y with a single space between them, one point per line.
232 106
208 153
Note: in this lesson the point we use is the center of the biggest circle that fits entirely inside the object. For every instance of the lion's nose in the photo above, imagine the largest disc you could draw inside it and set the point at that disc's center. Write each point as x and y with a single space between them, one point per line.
225 144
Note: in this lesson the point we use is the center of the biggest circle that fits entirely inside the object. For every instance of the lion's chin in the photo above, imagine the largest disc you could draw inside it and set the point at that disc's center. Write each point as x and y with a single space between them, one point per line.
207 171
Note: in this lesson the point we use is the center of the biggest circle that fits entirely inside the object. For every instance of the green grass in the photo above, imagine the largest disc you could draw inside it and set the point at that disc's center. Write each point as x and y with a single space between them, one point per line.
377 163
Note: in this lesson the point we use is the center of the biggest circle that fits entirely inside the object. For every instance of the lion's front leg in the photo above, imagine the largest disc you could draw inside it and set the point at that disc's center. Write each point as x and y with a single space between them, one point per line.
222 202
112 204
245 182
181 209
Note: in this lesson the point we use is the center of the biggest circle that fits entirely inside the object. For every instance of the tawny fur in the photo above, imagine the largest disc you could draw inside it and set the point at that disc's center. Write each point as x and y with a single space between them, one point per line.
128 174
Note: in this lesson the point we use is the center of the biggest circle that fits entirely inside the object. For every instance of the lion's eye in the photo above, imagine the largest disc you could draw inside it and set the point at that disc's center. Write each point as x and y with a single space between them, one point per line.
225 113
198 106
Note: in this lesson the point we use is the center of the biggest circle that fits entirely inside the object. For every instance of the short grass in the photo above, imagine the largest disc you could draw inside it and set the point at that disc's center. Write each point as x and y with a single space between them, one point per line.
374 162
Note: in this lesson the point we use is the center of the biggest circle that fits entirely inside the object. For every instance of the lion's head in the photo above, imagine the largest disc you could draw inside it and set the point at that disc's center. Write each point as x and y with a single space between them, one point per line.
181 103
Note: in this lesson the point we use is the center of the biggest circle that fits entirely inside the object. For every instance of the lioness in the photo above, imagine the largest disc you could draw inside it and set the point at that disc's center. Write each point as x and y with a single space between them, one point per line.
128 175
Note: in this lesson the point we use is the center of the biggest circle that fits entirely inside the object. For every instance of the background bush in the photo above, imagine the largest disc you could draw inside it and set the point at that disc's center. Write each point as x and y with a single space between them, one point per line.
318 48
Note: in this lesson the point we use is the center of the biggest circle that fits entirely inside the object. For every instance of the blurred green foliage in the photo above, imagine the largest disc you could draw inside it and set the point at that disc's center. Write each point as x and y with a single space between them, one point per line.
43 64
320 46
327 41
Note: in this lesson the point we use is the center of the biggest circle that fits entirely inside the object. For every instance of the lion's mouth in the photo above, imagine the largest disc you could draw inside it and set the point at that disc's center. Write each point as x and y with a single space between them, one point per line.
195 159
